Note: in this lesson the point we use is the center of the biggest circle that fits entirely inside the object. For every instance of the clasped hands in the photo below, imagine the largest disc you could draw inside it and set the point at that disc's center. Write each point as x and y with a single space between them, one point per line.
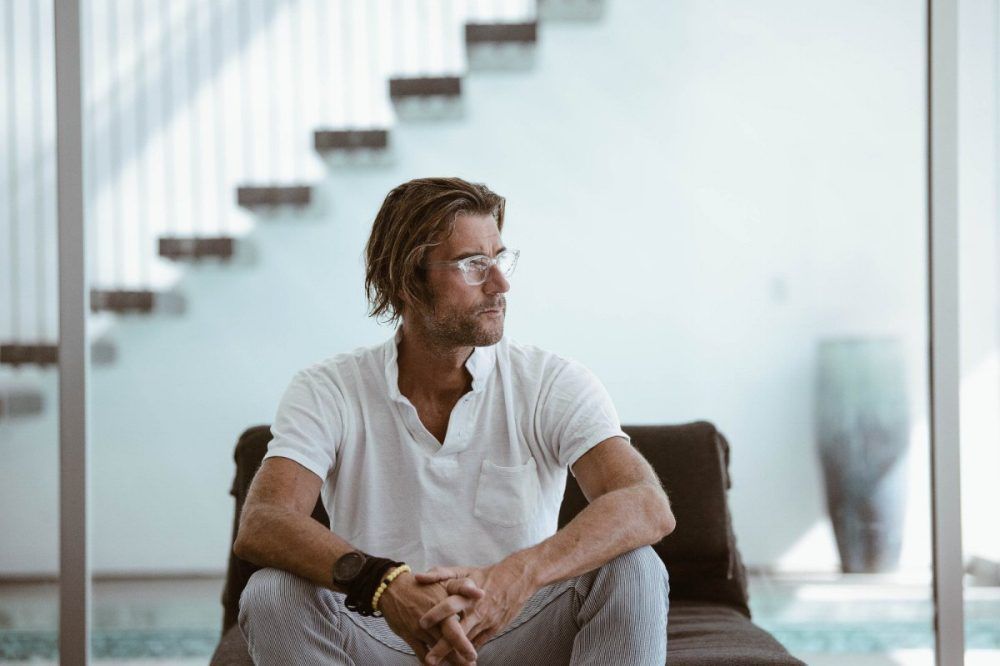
448 612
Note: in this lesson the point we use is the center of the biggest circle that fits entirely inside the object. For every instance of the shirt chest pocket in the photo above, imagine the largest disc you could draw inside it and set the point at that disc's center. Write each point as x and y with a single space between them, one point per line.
507 496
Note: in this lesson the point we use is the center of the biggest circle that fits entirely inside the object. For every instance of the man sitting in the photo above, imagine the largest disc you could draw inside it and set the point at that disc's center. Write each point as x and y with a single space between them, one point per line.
442 456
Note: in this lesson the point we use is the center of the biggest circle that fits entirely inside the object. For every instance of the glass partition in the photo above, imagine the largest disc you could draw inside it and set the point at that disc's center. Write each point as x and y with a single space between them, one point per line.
29 376
720 211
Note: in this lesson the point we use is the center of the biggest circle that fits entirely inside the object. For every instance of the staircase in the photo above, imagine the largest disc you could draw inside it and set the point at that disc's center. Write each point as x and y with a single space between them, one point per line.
186 101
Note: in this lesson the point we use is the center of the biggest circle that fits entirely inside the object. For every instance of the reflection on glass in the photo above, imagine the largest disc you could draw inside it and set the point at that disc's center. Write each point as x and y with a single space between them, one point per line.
863 432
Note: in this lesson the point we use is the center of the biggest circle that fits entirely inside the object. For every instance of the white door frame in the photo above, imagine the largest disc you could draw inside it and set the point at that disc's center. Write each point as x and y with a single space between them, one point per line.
74 481
943 307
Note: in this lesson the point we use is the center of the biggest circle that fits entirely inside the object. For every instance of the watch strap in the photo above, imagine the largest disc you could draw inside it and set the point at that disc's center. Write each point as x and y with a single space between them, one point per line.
362 589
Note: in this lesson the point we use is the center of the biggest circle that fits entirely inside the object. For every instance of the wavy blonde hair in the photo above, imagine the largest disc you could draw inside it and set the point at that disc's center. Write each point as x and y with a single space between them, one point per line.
415 217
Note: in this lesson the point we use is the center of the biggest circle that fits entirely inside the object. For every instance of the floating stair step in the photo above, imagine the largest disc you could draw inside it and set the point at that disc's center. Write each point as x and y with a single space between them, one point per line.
197 247
501 33
571 9
122 300
427 86
252 196
20 402
18 354
102 352
325 140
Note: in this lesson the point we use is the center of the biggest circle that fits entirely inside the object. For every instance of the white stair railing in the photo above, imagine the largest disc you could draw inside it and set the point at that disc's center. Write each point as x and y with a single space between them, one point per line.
185 102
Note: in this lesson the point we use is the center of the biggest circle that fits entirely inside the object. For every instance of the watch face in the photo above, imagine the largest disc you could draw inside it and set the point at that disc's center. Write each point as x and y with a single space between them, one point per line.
347 567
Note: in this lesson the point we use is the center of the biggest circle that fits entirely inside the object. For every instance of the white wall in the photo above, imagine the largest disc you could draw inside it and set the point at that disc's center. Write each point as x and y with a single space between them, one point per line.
701 191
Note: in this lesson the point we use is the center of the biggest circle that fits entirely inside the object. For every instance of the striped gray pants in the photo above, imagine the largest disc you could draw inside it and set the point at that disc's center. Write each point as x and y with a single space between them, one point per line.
616 614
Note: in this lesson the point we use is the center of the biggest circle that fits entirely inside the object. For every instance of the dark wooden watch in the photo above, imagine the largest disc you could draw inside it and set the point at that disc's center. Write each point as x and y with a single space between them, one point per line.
347 567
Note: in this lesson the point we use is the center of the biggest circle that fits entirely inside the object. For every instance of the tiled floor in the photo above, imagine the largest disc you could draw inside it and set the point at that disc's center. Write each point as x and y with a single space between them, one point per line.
897 658
869 620
861 621
166 621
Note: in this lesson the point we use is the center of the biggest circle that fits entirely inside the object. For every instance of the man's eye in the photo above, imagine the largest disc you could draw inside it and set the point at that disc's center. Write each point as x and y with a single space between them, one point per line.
479 264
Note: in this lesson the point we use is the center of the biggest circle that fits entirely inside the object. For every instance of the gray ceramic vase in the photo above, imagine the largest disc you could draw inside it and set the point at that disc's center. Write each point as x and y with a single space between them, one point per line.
862 429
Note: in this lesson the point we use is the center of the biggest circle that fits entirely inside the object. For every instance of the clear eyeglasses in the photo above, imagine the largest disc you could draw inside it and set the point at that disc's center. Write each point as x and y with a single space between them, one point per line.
476 269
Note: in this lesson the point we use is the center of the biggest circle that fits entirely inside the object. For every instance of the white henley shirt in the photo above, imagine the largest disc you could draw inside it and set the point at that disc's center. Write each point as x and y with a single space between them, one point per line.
493 487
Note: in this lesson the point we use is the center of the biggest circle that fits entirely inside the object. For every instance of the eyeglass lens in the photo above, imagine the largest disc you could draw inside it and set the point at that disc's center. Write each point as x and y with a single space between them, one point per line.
478 270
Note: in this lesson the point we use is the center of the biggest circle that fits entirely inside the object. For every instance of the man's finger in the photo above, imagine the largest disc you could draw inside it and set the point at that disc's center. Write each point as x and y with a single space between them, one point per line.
417 648
451 657
451 629
465 587
482 638
478 633
454 638
438 652
427 637
471 626
443 647
445 608
438 574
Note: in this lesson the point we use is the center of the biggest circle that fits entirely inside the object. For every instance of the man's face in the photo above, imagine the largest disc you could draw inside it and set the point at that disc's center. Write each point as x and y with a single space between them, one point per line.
461 314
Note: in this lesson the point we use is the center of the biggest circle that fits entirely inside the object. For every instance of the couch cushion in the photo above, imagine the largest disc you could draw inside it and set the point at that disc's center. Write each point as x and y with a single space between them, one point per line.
692 460
232 650
701 634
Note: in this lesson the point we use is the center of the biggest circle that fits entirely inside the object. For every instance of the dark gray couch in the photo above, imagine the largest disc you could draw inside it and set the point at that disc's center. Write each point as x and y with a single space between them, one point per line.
709 623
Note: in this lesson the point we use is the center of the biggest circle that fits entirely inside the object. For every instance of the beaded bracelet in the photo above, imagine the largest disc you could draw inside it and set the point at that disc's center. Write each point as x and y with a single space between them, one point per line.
385 584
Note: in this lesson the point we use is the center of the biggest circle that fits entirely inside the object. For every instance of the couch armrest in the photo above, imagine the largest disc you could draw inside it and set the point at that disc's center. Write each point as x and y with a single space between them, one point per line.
249 455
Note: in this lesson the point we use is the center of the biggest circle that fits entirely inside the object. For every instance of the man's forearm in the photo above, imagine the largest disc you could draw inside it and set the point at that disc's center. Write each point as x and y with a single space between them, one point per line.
271 536
614 523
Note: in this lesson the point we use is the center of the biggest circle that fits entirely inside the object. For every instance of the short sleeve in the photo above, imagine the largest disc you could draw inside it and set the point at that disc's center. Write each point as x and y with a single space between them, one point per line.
576 413
308 425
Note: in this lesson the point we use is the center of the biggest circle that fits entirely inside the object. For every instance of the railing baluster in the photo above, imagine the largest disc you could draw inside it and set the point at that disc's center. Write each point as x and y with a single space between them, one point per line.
363 82
347 65
439 32
10 33
455 26
418 30
166 101
408 54
246 90
322 59
272 99
217 18
114 146
293 51
87 12
374 69
124 181
195 148
303 120
39 158
393 35
139 136
101 170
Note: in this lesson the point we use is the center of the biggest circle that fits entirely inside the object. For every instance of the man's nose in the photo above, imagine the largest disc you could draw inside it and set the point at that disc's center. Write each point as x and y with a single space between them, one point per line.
496 281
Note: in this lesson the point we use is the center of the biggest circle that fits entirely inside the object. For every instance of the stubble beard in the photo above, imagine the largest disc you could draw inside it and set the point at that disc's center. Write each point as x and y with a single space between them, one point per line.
466 329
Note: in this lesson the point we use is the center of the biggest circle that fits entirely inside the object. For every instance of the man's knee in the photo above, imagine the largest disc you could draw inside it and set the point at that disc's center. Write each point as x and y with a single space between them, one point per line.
641 570
271 593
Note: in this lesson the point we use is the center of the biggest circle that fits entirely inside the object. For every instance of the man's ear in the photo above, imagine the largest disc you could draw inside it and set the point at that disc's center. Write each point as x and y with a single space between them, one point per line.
406 304
412 305
409 306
